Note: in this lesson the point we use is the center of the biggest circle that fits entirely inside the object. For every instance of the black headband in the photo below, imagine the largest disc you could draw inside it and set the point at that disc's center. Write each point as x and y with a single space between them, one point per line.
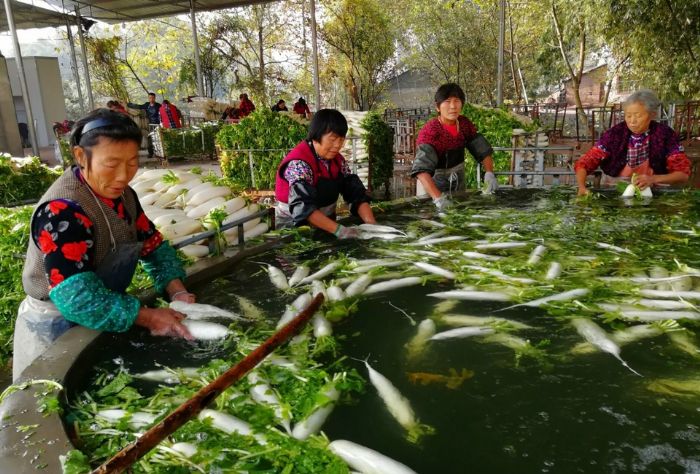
97 123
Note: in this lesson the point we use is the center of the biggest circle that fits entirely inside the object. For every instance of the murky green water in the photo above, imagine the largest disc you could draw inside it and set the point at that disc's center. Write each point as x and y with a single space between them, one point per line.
560 412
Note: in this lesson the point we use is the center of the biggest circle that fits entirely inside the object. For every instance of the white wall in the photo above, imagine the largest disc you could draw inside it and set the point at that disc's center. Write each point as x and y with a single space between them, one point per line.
45 94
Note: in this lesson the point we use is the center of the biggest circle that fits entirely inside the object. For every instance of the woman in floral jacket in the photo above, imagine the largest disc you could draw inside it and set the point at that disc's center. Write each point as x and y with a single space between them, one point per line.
87 235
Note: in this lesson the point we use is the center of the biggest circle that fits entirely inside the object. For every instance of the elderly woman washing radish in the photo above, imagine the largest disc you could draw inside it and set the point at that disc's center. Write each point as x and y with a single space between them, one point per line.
88 232
638 146
314 174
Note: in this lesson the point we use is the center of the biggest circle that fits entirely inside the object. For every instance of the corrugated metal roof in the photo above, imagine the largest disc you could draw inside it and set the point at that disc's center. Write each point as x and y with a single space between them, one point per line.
116 11
29 16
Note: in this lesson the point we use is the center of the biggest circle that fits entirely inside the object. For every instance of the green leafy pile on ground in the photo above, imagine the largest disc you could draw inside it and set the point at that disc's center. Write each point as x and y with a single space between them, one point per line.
271 134
23 182
190 142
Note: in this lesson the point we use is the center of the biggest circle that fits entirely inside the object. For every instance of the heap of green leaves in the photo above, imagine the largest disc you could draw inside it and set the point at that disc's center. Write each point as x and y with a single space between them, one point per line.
25 182
14 238
190 142
269 134
379 140
496 126
300 388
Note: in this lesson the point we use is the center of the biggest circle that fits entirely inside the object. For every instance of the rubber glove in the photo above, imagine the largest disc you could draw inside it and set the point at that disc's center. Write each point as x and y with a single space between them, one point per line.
491 182
349 232
442 203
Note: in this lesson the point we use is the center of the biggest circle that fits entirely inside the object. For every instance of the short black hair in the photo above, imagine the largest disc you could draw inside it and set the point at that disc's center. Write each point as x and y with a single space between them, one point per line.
327 121
152 93
101 123
302 101
448 90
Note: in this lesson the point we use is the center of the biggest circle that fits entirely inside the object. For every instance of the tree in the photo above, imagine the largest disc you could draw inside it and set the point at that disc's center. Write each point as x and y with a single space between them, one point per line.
214 67
361 32
662 39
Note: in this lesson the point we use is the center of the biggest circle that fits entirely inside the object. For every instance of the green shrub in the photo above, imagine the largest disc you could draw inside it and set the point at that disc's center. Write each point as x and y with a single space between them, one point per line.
379 140
23 182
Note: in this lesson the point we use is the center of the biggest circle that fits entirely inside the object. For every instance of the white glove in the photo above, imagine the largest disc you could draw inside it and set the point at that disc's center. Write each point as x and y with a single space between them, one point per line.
442 203
350 232
491 183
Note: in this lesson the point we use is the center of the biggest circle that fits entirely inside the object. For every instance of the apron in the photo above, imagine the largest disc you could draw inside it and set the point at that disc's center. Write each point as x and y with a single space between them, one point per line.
39 323
626 174
449 177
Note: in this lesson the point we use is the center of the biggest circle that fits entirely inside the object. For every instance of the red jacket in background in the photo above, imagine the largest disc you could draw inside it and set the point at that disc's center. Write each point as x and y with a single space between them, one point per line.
245 108
170 116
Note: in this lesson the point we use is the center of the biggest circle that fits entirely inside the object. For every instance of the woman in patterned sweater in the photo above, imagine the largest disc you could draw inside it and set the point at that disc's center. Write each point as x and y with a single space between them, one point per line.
87 235
640 146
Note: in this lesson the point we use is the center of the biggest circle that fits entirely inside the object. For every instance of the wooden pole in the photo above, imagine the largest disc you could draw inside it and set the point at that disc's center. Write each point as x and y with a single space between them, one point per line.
188 410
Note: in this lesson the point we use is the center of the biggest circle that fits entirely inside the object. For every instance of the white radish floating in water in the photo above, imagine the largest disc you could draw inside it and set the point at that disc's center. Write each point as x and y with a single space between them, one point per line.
380 236
358 286
501 245
335 293
301 272
482 256
200 311
322 273
322 327
380 229
137 419
318 288
663 304
229 424
261 392
439 240
565 296
469 320
554 271
205 330
594 334
182 449
435 270
397 404
314 421
501 275
392 285
168 376
277 277
434 235
687 295
249 309
536 254
658 315
415 346
301 302
614 248
467 331
382 263
366 460
472 295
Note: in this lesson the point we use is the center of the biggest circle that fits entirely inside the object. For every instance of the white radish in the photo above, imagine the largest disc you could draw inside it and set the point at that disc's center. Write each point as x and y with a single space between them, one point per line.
168 376
358 286
262 393
396 403
196 189
204 208
499 274
205 330
468 320
380 229
613 248
149 199
166 219
229 424
322 327
181 228
472 295
165 200
277 277
426 330
321 274
318 288
335 293
467 331
435 270
687 295
501 245
366 460
136 419
301 272
301 302
439 240
186 449
392 285
256 231
199 310
195 251
599 338
536 254
314 421
554 271
481 256
664 304
565 296
434 235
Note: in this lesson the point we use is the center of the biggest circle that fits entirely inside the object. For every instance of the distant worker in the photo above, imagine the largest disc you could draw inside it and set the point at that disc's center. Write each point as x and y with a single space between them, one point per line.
439 162
246 107
639 145
152 109
115 106
230 114
301 108
170 115
280 106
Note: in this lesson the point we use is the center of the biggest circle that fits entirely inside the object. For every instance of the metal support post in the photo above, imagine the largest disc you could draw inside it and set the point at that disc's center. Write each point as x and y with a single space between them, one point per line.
501 46
74 66
81 36
197 61
314 47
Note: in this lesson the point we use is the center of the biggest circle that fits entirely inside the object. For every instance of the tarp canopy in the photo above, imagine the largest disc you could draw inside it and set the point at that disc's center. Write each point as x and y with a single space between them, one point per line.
30 16
116 11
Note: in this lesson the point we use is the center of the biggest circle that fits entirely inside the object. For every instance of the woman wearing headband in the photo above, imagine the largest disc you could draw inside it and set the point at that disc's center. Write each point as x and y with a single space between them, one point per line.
87 235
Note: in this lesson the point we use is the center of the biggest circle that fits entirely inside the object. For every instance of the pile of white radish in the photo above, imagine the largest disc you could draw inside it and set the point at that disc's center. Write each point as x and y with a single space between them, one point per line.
180 204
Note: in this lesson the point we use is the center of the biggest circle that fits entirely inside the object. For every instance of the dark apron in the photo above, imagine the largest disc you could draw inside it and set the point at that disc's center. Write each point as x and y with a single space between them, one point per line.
449 172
